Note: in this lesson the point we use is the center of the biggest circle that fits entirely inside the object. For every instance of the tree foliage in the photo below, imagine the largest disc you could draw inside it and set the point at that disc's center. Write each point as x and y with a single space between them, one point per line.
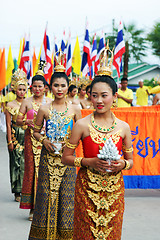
154 38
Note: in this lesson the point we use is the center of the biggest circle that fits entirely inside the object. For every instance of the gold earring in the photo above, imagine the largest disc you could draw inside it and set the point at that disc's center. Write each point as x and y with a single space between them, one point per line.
114 105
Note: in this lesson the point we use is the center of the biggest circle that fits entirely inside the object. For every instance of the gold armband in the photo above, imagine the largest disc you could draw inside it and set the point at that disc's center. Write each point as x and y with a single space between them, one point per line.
10 142
77 161
38 127
42 139
127 165
127 149
70 145
21 114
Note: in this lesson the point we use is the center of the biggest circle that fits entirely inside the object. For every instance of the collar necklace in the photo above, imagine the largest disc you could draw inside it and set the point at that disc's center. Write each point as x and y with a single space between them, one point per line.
103 129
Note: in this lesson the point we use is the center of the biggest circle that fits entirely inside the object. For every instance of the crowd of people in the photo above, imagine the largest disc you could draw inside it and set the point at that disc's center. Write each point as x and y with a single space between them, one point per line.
65 204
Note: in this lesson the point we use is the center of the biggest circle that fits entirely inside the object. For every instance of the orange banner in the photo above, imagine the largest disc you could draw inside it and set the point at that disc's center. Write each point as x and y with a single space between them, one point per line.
144 123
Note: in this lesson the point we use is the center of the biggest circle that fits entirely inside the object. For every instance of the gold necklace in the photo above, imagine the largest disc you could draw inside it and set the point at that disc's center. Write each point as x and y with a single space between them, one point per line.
103 129
63 113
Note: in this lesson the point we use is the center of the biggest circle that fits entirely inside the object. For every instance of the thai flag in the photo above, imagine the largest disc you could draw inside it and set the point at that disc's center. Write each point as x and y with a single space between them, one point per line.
25 63
100 49
86 58
55 51
94 49
63 42
119 50
47 56
68 57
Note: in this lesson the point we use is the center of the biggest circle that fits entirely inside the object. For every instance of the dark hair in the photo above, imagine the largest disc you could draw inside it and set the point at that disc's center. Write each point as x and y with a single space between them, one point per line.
59 75
124 79
106 79
79 89
39 78
48 85
71 87
88 87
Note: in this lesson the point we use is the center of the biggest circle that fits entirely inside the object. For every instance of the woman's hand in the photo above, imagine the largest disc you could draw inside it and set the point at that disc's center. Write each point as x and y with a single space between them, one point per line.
117 165
103 165
11 147
29 122
48 145
99 164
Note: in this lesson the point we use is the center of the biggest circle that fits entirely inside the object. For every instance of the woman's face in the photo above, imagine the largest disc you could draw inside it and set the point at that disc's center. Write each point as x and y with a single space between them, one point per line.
21 91
38 88
83 91
73 92
59 87
102 97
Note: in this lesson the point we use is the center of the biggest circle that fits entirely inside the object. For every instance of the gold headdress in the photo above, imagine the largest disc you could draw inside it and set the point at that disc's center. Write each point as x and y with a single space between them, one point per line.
60 62
41 67
105 68
77 81
19 77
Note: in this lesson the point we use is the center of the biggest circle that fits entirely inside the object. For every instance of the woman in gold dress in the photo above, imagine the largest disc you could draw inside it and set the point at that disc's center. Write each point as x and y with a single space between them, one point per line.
99 194
15 134
32 151
53 214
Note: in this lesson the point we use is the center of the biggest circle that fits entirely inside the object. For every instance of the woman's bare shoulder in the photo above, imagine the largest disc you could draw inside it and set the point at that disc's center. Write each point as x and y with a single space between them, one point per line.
83 122
123 124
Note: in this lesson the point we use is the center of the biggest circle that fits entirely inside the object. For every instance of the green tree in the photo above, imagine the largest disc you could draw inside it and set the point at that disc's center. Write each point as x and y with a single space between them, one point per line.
154 38
135 44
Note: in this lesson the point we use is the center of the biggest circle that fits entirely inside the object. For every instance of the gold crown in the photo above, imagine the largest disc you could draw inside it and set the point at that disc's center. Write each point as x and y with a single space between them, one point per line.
41 67
105 68
59 62
77 81
19 77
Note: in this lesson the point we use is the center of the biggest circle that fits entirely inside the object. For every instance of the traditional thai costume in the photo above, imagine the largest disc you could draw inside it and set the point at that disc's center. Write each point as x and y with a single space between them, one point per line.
54 209
32 153
99 197
17 155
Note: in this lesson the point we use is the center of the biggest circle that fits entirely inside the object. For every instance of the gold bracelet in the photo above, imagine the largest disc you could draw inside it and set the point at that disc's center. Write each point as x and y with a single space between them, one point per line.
20 114
37 127
70 145
127 165
42 139
10 142
77 161
127 149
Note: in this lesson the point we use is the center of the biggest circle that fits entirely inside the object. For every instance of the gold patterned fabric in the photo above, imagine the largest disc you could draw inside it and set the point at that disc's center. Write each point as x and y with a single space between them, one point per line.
54 209
16 157
99 197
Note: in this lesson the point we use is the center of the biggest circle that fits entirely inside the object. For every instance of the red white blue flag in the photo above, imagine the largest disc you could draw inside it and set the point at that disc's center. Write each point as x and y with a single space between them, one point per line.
47 56
94 49
86 58
55 51
68 57
25 63
119 50
100 49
